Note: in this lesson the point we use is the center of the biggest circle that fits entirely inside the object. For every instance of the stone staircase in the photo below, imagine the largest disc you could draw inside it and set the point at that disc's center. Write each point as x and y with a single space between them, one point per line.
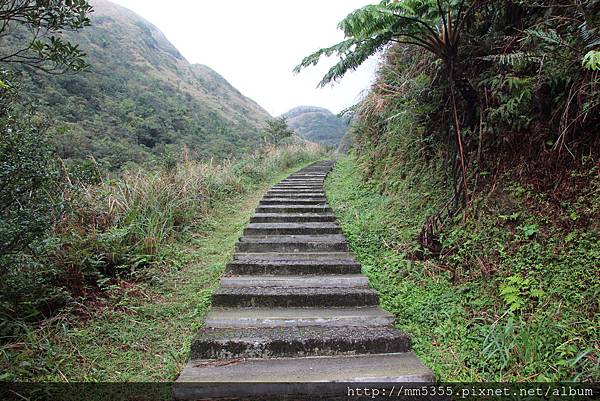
293 308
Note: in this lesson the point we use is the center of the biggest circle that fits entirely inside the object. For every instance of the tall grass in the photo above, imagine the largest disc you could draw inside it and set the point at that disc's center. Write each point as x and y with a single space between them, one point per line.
119 227
128 220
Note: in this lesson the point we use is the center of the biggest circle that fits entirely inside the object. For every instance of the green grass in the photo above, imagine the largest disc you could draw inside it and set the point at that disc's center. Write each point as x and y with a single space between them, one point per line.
143 331
508 302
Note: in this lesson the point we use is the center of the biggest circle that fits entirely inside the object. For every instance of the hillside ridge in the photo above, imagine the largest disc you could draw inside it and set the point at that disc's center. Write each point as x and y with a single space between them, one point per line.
141 101
317 124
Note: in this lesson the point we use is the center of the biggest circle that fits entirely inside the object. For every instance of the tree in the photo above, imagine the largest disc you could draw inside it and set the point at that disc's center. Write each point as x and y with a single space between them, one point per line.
28 178
29 175
424 23
277 130
39 23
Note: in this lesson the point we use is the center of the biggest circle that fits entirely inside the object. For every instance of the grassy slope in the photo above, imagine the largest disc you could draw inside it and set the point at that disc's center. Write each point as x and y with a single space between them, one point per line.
463 328
145 333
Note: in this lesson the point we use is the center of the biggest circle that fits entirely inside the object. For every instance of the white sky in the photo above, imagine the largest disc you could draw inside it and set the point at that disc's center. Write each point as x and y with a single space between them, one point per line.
256 44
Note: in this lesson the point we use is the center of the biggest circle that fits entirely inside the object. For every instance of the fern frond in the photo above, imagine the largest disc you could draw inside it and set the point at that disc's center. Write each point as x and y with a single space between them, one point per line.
351 60
367 21
512 59
590 36
368 29
313 59
549 36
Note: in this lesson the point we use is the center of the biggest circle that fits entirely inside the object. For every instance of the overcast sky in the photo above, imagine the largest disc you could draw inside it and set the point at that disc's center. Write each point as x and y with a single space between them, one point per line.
256 44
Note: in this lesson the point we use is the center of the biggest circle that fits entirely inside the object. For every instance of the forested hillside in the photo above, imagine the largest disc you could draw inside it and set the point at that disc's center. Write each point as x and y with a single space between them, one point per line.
317 124
472 193
139 98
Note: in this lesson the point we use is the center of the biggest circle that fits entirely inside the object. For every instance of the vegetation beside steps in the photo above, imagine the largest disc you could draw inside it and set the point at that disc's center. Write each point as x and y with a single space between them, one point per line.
168 234
528 310
271 330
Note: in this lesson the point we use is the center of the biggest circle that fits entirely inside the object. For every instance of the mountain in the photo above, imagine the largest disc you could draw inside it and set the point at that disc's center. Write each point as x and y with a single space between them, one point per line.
141 99
317 124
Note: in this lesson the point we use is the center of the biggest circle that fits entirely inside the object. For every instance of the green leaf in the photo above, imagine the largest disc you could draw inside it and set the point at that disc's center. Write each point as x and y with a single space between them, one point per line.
591 60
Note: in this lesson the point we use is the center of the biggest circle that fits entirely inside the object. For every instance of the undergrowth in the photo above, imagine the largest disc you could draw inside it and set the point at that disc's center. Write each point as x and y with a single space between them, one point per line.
513 295
123 280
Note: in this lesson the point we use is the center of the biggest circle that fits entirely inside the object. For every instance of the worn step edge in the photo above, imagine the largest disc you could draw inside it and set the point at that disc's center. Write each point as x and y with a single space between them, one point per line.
293 195
263 217
290 246
280 342
293 201
303 378
290 297
296 281
291 230
344 257
293 209
287 317
292 267
298 187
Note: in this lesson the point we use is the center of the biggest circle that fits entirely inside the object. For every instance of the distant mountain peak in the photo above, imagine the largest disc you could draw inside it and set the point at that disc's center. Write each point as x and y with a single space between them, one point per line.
317 124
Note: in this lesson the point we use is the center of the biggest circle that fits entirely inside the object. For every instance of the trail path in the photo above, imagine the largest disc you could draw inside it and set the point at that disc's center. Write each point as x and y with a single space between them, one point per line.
293 308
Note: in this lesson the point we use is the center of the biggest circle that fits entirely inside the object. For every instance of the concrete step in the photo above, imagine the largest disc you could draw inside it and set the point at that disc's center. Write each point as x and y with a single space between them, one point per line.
292 243
298 185
296 281
369 316
293 201
295 179
281 342
324 378
292 217
292 190
288 266
298 180
320 176
293 194
297 188
294 209
292 228
293 297
283 256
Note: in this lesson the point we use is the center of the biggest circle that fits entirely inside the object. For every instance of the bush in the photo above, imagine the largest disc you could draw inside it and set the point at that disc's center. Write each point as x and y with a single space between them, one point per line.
30 202
28 178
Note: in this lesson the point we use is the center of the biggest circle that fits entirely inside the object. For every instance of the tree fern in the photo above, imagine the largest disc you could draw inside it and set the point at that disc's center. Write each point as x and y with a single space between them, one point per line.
424 23
367 30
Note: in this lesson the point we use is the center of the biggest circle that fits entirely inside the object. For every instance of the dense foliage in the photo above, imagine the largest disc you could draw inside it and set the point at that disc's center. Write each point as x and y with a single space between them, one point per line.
39 44
522 69
29 176
513 297
505 282
317 124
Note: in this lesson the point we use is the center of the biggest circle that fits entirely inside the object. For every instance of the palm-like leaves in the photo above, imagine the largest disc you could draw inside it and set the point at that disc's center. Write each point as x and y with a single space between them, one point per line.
369 29
423 23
